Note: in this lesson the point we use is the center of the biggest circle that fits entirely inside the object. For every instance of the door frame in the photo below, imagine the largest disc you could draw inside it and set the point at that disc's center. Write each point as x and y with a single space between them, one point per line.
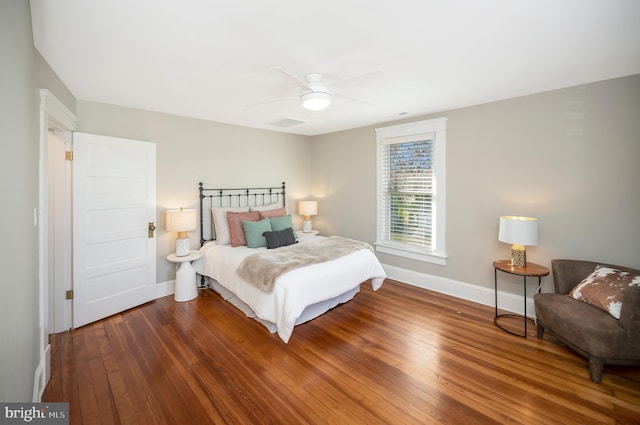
55 115
60 231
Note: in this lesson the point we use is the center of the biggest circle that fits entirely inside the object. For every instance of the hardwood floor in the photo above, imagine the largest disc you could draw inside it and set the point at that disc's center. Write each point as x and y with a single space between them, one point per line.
402 355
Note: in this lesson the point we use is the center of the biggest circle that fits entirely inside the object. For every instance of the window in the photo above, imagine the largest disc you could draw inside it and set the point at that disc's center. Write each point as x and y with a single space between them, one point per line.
411 190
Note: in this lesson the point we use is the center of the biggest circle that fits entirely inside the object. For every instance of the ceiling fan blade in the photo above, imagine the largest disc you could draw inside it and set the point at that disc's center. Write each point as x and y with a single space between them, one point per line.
266 102
337 85
339 96
292 78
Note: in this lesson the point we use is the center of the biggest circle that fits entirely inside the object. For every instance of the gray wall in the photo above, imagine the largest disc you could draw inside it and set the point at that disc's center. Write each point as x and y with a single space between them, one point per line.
191 151
568 157
19 153
46 78
22 74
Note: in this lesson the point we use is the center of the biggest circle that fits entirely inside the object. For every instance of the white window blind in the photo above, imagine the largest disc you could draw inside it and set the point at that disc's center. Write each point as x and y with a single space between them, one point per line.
411 190
408 192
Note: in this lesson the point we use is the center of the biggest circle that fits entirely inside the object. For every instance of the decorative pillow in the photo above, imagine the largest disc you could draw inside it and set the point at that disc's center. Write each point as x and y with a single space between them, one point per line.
254 232
221 224
236 230
278 238
265 207
280 212
604 288
281 223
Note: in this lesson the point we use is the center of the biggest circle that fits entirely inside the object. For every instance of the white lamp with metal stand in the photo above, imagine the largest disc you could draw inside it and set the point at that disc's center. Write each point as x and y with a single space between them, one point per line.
518 231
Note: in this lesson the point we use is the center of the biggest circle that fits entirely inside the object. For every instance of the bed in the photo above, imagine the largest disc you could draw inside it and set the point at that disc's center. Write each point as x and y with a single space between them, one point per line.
297 294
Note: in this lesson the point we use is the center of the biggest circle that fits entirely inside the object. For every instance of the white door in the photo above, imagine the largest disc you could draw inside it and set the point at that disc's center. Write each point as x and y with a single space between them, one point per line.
114 204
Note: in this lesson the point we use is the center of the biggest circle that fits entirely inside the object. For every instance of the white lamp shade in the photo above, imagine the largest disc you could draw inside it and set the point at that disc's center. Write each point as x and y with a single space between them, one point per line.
518 230
181 220
308 208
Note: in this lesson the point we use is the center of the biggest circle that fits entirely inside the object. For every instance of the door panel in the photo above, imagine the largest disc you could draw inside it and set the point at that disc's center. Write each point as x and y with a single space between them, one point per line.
114 202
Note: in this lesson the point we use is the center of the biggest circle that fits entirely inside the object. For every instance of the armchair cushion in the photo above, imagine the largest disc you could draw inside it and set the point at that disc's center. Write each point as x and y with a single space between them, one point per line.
586 327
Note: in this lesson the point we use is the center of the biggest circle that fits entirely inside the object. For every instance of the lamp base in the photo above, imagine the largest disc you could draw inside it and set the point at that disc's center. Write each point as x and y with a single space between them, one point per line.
306 226
518 256
183 247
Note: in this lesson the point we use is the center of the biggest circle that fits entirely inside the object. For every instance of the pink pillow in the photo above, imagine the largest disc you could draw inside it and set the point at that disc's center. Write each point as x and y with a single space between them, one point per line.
235 225
280 212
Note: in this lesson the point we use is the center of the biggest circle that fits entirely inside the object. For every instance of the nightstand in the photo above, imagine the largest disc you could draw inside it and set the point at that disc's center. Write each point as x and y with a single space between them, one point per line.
302 233
530 270
186 288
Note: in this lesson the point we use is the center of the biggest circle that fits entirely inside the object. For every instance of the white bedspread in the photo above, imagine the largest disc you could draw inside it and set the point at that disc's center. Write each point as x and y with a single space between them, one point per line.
294 290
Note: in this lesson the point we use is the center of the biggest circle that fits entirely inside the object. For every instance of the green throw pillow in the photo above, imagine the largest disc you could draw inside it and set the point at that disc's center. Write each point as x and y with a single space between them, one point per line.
281 223
254 232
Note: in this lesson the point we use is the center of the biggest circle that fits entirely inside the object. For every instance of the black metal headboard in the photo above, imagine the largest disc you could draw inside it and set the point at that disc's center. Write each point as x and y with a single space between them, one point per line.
251 196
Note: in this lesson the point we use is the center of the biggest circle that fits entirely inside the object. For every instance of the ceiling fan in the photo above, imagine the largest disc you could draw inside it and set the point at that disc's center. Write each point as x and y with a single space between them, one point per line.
315 94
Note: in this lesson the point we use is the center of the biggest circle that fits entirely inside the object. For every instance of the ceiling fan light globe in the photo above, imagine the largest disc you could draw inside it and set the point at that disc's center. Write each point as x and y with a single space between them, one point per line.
315 101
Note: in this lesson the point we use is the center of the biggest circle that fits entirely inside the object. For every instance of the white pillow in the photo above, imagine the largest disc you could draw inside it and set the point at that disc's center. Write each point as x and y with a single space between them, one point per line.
266 207
221 223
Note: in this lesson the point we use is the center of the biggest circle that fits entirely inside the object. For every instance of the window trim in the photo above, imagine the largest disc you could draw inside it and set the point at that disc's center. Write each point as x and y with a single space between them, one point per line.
403 133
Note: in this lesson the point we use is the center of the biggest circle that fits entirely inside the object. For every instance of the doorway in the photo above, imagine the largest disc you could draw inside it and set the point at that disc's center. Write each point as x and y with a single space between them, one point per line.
56 117
59 231
116 212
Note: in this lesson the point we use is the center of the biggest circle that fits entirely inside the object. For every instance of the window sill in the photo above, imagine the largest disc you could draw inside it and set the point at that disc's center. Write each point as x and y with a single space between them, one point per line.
410 252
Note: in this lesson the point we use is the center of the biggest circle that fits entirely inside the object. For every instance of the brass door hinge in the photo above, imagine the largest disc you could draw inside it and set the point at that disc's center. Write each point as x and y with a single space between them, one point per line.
69 294
68 155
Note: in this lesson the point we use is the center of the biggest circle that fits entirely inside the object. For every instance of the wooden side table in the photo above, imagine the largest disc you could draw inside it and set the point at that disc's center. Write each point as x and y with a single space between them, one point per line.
186 288
530 270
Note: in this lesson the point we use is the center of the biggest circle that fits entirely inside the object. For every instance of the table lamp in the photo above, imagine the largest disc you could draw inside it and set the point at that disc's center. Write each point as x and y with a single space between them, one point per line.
518 231
307 209
182 221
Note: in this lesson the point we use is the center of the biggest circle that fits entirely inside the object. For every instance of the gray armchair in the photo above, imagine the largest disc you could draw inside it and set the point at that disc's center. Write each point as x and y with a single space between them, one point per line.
588 330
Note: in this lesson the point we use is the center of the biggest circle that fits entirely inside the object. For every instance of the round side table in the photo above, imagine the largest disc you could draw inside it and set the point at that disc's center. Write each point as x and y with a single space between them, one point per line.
530 270
186 288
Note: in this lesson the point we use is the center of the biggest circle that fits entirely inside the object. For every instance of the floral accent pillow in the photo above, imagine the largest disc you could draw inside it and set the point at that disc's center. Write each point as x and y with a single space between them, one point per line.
604 288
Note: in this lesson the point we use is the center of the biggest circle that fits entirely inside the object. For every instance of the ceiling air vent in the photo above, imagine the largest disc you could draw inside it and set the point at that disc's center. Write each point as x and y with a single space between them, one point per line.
286 122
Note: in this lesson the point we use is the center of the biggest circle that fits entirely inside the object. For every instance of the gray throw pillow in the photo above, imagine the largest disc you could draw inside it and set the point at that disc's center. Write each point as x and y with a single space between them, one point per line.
278 238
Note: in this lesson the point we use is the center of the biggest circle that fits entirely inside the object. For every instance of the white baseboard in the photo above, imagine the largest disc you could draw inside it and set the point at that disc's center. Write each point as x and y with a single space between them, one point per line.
463 290
165 288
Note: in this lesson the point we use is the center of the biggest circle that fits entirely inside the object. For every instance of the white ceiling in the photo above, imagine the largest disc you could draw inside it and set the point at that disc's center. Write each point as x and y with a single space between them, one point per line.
209 59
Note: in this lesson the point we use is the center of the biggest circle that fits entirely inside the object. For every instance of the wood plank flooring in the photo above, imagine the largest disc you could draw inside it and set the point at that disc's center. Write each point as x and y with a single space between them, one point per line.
401 355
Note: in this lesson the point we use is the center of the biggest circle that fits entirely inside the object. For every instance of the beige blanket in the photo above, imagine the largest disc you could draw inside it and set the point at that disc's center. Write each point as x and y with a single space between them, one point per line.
262 269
